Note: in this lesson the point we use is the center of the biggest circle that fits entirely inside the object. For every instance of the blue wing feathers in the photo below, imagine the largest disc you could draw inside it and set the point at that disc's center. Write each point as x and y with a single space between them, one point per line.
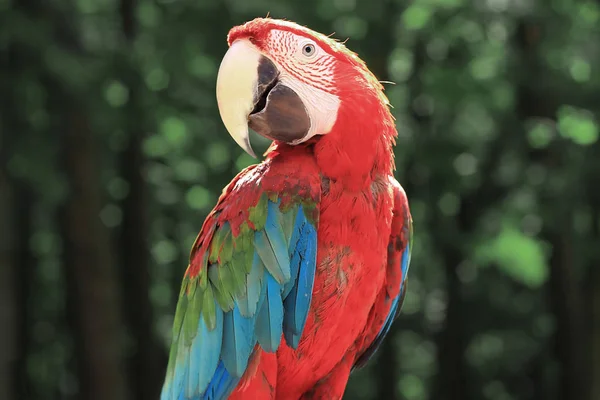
404 265
238 341
266 253
221 385
195 359
287 221
306 276
297 303
278 244
180 374
270 317
248 305
210 350
204 354
293 251
406 261
274 302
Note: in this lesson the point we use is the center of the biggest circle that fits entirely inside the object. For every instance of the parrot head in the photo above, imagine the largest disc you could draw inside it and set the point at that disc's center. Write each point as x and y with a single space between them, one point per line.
291 84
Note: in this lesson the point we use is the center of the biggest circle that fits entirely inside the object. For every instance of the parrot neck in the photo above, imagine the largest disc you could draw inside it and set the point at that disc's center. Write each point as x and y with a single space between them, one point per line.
359 147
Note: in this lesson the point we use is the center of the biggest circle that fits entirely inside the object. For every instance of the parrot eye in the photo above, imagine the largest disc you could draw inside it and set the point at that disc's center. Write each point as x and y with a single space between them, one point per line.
308 50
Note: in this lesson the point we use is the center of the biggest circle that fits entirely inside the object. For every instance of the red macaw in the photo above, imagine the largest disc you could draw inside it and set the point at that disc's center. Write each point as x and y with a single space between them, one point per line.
300 269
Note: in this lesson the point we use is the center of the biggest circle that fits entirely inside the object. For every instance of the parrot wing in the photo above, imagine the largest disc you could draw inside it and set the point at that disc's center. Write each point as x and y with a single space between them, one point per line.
399 250
249 280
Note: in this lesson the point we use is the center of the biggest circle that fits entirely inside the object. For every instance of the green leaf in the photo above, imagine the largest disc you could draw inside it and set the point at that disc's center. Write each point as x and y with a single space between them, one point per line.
244 160
198 198
578 125
580 70
157 79
416 16
448 3
217 156
540 134
412 387
148 14
190 170
116 94
518 255
174 130
401 64
351 26
202 66
155 146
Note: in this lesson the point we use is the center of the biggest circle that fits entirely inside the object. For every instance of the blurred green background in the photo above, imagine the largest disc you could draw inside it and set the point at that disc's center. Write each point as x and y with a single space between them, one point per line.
112 152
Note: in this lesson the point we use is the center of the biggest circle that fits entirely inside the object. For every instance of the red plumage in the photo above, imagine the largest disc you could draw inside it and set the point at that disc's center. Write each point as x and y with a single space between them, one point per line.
338 177
362 234
277 174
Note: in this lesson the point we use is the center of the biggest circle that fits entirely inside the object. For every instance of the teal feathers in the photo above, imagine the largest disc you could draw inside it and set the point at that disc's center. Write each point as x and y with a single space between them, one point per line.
255 287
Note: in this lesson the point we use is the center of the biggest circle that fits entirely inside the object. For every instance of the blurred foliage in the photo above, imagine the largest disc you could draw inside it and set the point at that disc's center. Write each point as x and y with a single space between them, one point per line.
496 104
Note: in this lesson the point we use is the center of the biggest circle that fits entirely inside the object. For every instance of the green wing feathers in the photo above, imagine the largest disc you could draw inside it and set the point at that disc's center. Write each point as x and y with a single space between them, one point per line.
249 282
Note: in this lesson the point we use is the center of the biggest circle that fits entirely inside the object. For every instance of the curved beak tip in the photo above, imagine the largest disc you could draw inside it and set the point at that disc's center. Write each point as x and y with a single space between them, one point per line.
248 147
236 87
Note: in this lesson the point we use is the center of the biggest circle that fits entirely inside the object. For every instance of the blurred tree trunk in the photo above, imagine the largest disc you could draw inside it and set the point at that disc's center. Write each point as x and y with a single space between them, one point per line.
23 276
567 305
147 361
564 294
594 291
452 342
92 295
453 378
8 296
592 284
388 371
536 374
92 291
17 263
594 272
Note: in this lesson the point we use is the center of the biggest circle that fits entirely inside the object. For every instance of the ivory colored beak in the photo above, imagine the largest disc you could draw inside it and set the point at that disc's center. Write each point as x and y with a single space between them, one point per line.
237 87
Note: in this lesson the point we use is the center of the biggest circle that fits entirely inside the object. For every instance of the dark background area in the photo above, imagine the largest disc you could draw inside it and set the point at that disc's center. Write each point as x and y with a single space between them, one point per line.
112 153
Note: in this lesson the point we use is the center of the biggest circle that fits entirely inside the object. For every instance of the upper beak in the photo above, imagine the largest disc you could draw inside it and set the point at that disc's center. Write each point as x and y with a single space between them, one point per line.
249 94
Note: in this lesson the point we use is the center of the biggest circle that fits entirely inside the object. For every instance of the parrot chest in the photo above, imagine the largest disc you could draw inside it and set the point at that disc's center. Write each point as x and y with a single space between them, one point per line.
353 236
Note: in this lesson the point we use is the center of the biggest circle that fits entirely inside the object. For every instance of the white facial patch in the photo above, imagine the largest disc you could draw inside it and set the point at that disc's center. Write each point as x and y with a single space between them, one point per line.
310 74
322 106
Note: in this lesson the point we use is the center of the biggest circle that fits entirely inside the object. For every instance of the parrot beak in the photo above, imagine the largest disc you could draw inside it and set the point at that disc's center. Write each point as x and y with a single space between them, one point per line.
251 95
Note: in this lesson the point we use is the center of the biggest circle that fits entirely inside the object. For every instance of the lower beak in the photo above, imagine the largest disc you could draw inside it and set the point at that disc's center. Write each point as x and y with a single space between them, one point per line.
250 94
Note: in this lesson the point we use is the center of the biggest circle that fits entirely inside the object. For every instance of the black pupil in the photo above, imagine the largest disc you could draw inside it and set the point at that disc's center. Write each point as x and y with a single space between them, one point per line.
308 49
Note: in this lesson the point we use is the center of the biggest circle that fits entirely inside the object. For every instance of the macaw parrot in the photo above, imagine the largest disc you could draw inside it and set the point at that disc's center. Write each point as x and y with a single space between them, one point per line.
300 269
